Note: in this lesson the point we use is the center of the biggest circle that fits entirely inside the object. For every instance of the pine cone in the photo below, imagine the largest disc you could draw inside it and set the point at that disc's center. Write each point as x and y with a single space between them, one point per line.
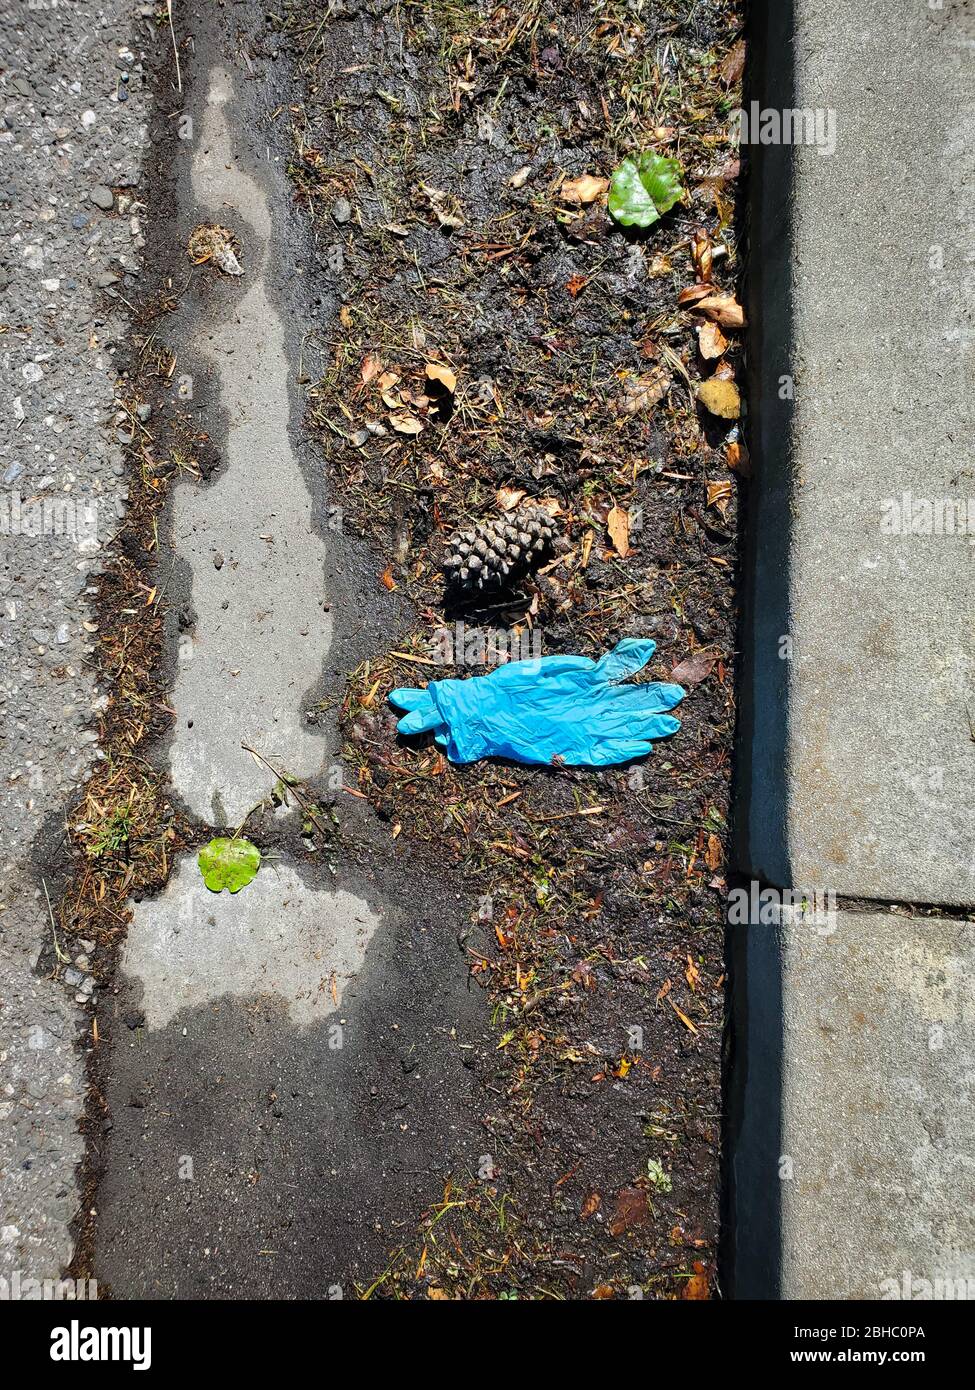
498 552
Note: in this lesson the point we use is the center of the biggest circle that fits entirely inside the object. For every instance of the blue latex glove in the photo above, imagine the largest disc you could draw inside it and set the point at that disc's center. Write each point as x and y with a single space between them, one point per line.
565 707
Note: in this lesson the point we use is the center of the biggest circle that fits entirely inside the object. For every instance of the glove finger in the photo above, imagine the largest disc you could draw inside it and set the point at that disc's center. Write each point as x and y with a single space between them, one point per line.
619 751
626 658
656 726
660 695
644 699
423 712
408 696
419 721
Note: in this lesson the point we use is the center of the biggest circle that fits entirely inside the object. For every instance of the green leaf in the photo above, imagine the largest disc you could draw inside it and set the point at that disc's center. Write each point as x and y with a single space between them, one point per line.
226 863
656 1174
643 187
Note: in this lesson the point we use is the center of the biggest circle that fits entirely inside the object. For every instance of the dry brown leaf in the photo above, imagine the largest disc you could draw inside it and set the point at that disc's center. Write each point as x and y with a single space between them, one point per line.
447 379
693 669
585 189
719 496
692 975
720 396
370 369
693 294
701 253
734 64
737 457
682 1016
644 392
696 1287
209 242
723 308
632 1209
509 497
711 341
406 424
590 1205
618 527
446 208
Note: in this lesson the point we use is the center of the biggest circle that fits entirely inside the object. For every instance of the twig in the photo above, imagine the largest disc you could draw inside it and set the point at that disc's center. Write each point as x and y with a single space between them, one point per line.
169 12
290 783
65 960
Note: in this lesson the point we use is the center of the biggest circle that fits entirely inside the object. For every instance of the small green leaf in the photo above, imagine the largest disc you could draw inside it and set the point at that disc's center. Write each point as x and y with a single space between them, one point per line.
643 187
226 863
656 1174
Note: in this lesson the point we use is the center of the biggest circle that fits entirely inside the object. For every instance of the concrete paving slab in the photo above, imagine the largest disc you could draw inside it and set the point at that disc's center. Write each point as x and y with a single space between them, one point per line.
858 756
262 627
853 1166
278 937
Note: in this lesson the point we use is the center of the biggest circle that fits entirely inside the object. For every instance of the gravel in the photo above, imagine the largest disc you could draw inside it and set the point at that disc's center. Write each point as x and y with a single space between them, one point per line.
69 251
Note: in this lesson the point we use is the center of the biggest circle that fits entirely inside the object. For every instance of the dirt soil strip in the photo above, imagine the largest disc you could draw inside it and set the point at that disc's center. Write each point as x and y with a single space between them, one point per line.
448 156
527 1100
